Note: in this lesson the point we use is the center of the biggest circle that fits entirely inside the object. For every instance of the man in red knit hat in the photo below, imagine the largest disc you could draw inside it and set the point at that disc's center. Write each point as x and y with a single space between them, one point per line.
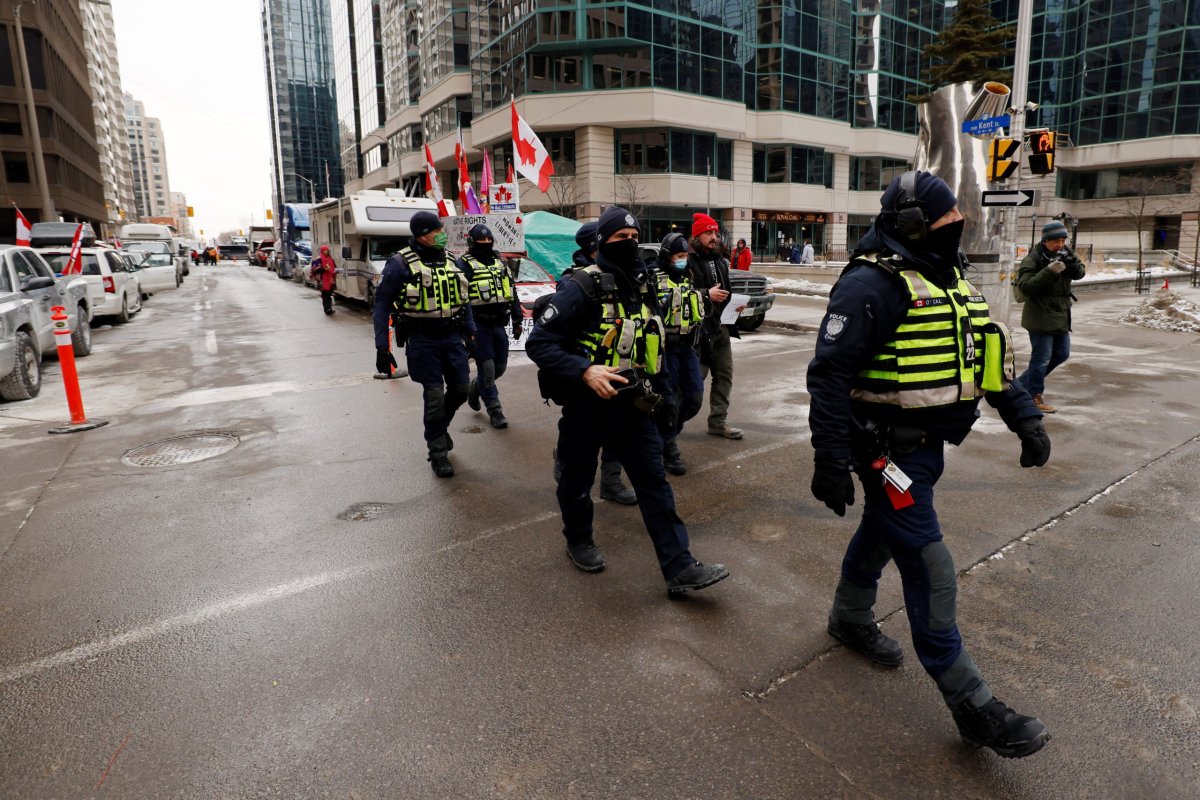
710 274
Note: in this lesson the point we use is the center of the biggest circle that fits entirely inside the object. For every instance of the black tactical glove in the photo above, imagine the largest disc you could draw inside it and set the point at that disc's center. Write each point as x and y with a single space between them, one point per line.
385 362
1035 443
833 484
517 329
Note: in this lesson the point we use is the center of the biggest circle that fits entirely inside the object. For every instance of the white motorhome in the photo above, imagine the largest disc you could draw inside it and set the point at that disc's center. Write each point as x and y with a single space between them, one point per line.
363 231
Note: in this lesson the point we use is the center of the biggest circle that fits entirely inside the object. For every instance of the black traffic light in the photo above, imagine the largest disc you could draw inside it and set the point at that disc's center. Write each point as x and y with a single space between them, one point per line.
1041 152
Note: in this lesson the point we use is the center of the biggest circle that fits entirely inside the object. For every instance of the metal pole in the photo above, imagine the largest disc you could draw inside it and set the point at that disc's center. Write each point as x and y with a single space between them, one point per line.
1020 91
39 159
708 185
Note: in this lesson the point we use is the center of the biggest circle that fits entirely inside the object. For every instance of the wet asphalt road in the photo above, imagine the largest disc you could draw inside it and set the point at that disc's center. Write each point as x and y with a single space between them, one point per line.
313 614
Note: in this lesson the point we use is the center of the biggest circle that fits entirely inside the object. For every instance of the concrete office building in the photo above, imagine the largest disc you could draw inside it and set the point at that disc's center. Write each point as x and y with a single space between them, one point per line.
109 105
148 157
785 120
179 211
301 94
55 45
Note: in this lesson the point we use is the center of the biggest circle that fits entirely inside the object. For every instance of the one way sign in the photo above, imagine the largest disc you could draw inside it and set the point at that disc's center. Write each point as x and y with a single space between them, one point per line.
1018 197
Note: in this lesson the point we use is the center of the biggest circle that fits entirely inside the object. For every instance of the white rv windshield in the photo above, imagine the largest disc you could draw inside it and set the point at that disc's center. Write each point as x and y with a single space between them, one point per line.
391 213
384 247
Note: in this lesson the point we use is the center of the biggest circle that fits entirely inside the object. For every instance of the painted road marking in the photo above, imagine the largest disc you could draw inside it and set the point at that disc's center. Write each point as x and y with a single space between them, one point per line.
210 342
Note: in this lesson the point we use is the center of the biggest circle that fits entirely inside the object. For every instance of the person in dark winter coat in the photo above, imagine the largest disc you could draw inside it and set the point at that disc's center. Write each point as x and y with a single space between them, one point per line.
1044 278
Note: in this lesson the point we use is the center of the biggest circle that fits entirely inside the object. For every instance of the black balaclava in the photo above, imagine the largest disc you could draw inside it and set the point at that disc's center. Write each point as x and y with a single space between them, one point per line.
484 251
621 254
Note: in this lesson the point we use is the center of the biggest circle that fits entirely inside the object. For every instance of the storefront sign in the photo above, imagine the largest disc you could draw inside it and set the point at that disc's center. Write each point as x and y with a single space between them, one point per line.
788 216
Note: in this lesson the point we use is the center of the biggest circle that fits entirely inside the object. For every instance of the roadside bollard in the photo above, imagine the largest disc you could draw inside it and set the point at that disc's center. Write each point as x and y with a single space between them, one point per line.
66 357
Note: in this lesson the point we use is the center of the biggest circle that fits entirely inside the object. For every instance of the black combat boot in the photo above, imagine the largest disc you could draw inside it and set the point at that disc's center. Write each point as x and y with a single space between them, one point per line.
696 576
672 459
868 641
438 460
586 557
612 487
473 395
997 726
496 413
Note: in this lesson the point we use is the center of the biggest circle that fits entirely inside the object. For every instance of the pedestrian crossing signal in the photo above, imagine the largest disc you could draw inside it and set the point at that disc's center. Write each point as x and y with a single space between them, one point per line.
1001 163
1041 152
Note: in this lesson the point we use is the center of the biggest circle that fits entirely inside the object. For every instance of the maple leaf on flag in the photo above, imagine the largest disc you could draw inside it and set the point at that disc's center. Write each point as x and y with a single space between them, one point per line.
526 151
503 195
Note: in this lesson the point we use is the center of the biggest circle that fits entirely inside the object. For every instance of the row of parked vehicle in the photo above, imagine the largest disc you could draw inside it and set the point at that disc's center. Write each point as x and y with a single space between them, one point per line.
113 284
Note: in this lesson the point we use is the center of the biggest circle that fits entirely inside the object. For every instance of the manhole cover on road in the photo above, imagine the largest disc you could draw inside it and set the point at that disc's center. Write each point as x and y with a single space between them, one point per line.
181 450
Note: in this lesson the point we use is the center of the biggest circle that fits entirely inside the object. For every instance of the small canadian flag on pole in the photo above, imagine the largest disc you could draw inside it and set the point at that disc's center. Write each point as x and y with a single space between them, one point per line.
531 157
433 187
24 229
75 262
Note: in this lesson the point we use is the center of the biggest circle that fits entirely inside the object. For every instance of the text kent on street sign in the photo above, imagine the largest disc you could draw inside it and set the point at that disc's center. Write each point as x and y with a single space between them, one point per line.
977 127
1015 197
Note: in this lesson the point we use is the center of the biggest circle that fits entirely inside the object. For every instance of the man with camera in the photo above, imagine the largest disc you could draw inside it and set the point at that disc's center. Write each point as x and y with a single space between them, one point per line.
599 348
1044 280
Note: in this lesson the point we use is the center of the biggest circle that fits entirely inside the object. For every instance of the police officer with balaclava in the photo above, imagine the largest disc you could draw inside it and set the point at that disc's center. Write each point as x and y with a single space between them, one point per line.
599 344
428 295
903 356
683 309
611 486
496 309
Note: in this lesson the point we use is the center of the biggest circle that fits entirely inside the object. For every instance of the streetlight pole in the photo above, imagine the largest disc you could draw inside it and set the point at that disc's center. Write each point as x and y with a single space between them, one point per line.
312 192
39 158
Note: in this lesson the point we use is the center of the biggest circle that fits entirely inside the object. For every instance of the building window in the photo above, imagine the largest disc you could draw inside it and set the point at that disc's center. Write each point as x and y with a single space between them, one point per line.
872 174
10 120
676 151
780 163
16 168
1106 184
562 152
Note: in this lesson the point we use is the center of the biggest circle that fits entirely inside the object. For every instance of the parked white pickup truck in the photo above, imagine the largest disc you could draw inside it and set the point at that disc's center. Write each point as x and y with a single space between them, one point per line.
29 289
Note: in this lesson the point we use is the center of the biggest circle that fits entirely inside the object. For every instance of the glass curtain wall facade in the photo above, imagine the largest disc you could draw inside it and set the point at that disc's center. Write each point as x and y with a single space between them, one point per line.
345 63
302 97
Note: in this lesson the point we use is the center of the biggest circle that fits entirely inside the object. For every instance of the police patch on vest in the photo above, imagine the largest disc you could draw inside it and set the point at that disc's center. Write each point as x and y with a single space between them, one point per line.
834 326
550 313
933 301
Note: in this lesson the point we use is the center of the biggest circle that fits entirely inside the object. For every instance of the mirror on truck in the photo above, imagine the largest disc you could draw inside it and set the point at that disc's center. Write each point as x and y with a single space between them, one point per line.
347 253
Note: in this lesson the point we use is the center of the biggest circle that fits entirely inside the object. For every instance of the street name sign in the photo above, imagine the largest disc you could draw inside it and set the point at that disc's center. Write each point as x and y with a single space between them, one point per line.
987 125
1013 197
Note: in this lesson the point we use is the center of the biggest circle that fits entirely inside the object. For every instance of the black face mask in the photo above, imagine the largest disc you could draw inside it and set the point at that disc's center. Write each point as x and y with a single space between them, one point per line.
483 251
622 253
943 243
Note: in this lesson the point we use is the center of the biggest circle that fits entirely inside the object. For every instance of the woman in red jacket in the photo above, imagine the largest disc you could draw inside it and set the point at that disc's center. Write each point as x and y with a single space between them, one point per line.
324 271
741 256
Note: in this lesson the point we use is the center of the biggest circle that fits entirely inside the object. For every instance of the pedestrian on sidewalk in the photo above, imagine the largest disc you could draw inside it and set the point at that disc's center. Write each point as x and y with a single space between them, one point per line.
324 272
888 389
428 295
741 256
807 254
710 274
497 310
1044 280
598 346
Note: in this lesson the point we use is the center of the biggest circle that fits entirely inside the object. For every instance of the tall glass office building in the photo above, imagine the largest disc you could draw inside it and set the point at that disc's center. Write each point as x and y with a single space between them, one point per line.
298 49
783 118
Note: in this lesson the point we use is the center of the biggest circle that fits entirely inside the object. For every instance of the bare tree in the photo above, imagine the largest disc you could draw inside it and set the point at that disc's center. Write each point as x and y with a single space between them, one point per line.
563 193
1151 196
630 193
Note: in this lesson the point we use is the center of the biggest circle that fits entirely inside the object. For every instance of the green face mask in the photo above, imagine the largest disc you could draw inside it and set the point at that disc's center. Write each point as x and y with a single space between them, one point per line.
439 240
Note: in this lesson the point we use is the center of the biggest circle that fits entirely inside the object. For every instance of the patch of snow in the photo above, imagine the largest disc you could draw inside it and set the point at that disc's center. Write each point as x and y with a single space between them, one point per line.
1165 311
798 286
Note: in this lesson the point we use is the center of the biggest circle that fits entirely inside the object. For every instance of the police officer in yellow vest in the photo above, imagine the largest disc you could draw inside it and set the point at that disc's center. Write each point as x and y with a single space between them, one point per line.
683 309
496 310
904 354
598 345
427 294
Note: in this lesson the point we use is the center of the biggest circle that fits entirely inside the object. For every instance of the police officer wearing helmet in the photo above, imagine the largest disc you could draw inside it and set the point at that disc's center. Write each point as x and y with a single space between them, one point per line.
428 295
904 354
496 309
611 486
599 342
683 309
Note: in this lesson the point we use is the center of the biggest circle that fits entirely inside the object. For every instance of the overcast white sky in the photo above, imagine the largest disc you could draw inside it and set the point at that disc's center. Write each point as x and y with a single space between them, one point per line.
197 65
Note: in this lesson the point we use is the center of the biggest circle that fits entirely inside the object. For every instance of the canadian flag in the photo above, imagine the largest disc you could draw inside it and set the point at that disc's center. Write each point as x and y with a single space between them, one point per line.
532 158
24 229
75 262
466 193
433 187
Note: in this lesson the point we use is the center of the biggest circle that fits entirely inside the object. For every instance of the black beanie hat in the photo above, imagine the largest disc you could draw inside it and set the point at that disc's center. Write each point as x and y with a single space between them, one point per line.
673 244
585 237
423 222
932 193
612 220
480 231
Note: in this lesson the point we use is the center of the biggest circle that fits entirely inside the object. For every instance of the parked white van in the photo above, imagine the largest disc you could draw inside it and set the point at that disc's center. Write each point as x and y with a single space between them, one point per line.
363 231
149 232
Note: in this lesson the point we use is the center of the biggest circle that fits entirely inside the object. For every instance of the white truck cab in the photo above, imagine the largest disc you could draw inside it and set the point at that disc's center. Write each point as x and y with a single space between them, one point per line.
363 231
